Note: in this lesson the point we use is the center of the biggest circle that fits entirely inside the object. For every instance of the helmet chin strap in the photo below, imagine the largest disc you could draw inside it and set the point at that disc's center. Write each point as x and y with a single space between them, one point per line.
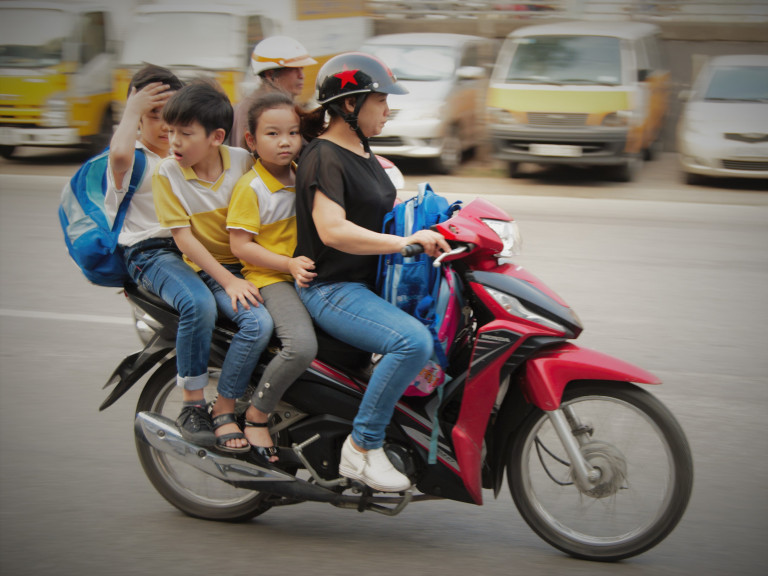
351 119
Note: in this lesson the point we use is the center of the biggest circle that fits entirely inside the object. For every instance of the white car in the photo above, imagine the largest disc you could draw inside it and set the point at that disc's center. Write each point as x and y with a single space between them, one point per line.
442 116
723 131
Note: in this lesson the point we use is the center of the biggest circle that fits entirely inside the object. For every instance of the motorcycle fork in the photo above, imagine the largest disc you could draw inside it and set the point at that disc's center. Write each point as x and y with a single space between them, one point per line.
573 435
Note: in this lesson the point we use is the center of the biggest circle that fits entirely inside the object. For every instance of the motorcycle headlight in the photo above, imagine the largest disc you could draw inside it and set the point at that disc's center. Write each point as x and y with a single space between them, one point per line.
516 308
509 233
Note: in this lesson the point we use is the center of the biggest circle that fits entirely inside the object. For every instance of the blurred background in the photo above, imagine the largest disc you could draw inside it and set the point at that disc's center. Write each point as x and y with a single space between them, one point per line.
65 68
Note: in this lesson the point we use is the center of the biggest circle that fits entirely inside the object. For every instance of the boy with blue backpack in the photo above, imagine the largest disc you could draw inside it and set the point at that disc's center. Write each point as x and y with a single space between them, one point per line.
151 256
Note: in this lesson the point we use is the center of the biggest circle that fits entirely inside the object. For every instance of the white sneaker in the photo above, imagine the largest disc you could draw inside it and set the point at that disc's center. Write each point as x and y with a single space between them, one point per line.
372 468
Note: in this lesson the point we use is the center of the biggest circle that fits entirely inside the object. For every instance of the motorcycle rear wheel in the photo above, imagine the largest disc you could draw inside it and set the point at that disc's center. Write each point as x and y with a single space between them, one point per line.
188 489
646 466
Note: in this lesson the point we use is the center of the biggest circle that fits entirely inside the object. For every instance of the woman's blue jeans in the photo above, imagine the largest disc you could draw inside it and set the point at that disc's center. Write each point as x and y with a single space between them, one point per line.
157 265
352 313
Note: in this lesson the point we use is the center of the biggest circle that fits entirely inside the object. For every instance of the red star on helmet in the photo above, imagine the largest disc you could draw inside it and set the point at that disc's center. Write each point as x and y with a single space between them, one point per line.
347 76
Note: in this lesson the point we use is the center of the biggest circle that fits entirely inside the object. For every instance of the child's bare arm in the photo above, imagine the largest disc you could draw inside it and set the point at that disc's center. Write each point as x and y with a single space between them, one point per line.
243 246
238 289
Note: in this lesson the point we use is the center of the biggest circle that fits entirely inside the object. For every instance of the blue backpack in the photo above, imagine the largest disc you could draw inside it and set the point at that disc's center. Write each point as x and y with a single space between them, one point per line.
432 295
91 239
406 281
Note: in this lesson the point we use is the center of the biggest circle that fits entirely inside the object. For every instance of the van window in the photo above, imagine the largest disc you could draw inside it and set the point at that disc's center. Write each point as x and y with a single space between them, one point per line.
38 46
94 39
566 60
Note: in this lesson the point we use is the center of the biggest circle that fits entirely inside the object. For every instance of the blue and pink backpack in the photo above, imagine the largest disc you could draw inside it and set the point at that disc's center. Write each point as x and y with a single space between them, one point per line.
433 295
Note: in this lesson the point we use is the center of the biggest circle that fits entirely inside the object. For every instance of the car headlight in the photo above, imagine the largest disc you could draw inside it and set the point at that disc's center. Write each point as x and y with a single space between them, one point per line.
618 119
501 116
516 308
56 112
509 233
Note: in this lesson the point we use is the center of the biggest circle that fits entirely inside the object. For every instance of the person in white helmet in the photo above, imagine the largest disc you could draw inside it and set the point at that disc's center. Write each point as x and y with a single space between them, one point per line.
279 63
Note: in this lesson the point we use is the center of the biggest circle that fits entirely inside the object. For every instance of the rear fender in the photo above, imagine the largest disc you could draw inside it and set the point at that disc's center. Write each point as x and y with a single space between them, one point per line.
547 374
133 367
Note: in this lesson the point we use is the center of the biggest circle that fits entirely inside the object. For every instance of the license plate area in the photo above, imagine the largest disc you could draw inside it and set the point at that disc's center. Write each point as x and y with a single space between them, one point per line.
561 150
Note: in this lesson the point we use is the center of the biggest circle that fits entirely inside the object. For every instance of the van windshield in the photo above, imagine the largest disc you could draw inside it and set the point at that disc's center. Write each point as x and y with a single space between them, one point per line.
739 84
37 46
426 63
566 60
173 39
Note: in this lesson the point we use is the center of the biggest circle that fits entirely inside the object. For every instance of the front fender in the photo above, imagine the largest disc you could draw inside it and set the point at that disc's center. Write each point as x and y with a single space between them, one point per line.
547 374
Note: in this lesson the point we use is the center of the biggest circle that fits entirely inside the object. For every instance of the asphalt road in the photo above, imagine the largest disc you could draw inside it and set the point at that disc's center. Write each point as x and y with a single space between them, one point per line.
668 277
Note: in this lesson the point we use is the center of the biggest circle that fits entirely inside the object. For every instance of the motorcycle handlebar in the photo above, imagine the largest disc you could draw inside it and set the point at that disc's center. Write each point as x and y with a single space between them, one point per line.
412 250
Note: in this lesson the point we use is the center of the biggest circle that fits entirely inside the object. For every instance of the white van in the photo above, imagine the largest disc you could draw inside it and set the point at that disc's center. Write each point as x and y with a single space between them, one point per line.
586 93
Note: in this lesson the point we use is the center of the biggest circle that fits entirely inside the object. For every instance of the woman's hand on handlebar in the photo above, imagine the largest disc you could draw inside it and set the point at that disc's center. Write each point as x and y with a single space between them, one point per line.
433 242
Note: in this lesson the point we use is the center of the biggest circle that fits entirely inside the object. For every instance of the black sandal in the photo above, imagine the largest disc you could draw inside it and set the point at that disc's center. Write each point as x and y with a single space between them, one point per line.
221 441
266 452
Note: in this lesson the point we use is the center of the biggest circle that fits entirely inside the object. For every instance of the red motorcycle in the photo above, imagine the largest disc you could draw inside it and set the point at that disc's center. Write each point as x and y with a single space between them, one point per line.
597 466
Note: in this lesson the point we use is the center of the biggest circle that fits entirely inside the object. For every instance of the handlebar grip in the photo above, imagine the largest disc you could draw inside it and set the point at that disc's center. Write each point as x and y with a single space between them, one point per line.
412 250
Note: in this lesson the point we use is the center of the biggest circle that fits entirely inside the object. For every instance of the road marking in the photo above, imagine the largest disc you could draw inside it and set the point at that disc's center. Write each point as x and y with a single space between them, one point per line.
34 314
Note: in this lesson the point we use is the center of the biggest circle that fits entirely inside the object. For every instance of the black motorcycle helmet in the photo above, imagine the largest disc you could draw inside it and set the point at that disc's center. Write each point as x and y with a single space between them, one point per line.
350 74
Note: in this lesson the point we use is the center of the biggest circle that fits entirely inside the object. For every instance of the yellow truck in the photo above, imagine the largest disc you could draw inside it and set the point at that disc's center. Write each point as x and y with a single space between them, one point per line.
215 40
56 64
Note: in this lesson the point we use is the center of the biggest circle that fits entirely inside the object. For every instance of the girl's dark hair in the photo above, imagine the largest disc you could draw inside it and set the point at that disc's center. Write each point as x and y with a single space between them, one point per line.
201 101
152 73
267 100
312 123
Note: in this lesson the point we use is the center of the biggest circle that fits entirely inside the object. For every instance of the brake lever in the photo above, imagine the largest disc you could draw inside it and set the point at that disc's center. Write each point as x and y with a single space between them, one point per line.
458 250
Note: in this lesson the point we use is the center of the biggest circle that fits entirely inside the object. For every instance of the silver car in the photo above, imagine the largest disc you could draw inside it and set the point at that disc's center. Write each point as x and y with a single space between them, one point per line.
723 131
442 116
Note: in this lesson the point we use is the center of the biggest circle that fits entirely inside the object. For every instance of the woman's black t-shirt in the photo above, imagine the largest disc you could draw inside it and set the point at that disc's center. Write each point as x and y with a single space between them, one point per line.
360 186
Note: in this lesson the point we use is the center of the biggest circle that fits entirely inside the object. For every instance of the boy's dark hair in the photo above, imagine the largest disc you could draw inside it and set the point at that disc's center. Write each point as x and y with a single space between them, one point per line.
200 101
152 73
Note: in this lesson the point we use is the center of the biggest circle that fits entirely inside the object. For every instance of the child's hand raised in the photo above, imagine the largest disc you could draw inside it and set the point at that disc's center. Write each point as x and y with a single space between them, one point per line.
243 291
301 269
152 96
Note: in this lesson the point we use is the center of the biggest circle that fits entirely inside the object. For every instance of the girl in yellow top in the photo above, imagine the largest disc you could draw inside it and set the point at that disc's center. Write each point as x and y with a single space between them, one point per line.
262 232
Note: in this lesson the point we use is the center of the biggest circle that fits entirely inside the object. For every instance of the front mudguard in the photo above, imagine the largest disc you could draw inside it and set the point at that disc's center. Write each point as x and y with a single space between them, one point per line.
542 384
548 373
133 367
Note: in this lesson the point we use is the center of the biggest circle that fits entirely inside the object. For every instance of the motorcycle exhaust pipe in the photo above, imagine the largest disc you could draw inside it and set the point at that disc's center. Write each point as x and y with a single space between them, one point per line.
162 434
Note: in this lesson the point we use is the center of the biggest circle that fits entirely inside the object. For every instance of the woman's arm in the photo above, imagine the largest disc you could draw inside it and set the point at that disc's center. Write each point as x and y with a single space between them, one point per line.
337 232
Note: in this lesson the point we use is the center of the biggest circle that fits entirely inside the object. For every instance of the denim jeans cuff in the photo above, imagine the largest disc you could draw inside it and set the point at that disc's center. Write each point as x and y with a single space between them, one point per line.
192 382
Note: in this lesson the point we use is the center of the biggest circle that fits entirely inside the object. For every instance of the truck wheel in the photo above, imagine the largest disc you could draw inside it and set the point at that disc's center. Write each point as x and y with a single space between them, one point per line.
7 151
628 171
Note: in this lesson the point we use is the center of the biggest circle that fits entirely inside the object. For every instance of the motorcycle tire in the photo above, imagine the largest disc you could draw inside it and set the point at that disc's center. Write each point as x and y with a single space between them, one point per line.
188 489
646 473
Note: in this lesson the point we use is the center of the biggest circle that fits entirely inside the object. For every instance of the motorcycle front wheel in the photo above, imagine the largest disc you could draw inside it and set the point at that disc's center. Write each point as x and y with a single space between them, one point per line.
193 492
645 465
